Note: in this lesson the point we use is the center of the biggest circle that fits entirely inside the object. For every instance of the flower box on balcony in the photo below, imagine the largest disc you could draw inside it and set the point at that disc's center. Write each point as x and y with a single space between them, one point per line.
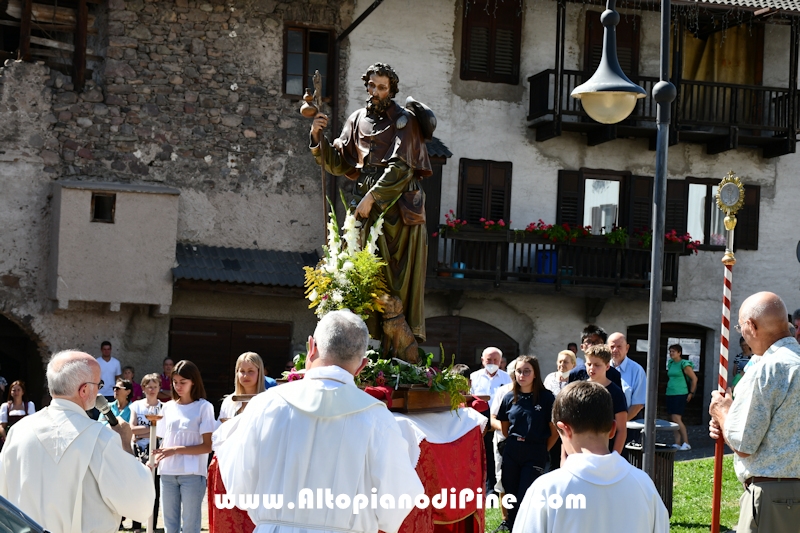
476 234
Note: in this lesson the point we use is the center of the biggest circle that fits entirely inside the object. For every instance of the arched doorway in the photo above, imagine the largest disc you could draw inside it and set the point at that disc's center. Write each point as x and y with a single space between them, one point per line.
20 359
466 338
693 340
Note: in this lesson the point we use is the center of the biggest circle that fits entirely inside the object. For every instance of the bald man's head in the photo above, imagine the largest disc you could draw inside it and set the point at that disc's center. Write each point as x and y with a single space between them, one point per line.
69 370
762 318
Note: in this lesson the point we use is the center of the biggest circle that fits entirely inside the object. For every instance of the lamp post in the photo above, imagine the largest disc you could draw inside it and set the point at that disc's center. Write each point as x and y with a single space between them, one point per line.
609 97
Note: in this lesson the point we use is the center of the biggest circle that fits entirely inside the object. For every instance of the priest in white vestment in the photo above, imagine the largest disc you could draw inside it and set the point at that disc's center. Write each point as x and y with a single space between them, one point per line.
324 434
69 472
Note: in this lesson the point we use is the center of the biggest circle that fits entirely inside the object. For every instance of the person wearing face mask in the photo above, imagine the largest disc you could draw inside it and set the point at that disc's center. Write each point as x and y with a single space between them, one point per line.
485 382
74 464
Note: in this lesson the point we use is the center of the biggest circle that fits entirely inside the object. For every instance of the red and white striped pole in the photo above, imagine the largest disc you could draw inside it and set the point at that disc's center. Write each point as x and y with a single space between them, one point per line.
719 449
730 197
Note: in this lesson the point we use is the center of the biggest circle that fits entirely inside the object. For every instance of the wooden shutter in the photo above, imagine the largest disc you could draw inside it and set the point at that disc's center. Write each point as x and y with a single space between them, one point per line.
498 191
484 190
745 236
569 207
490 42
675 216
640 203
471 190
627 43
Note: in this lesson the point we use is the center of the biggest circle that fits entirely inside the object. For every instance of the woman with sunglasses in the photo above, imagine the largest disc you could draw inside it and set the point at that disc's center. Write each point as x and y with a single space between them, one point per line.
524 415
121 406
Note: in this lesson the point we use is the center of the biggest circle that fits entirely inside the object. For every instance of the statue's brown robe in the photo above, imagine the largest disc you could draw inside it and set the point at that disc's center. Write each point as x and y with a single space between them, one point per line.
395 144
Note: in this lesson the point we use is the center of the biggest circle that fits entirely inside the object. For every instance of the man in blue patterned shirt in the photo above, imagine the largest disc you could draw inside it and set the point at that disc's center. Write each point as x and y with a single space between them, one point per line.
761 424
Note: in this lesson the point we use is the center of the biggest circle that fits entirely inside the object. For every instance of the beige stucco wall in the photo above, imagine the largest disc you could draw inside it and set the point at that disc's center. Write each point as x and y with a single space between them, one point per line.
127 261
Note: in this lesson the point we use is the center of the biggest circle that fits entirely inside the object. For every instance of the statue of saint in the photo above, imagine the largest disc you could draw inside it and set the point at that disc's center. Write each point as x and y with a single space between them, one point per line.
382 148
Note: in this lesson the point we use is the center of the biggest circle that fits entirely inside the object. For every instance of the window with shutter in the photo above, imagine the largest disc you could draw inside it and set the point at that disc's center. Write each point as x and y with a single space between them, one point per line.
627 43
705 221
604 198
490 43
484 190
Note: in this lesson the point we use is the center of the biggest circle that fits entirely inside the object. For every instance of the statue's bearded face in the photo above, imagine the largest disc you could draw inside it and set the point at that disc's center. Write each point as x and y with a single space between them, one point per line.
379 100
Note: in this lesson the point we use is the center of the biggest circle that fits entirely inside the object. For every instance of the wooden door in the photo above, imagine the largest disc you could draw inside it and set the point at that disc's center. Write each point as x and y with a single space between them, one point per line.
214 346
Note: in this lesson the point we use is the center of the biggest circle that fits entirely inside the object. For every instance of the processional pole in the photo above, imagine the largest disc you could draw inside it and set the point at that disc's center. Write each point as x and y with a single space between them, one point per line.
730 198
153 415
312 104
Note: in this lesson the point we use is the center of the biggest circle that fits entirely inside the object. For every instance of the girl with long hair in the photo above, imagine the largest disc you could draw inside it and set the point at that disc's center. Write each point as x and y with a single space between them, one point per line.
186 428
525 419
248 380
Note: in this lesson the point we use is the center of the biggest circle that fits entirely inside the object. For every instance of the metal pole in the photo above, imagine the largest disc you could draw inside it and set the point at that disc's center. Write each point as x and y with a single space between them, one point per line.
664 94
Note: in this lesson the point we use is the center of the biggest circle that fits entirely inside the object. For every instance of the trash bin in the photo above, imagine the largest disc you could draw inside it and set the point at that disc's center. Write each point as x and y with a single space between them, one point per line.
664 468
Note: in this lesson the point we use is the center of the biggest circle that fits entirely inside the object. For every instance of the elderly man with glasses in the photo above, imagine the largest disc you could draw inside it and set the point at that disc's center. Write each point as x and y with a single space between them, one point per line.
67 471
760 424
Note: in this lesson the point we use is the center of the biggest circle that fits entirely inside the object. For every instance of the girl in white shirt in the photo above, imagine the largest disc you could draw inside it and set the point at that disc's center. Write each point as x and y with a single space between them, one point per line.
182 461
16 408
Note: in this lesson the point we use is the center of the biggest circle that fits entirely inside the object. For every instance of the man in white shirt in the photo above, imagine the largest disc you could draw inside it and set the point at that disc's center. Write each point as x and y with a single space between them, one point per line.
634 380
67 471
110 370
323 434
592 483
485 382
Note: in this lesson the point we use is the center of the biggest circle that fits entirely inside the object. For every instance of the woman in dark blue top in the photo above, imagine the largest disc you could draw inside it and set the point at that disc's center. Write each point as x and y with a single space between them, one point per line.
525 415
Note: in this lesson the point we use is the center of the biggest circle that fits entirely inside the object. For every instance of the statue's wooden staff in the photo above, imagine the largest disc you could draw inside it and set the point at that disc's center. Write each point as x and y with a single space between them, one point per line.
312 105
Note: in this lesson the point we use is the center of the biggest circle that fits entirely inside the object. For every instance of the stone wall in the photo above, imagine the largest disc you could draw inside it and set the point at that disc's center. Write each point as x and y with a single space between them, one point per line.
189 95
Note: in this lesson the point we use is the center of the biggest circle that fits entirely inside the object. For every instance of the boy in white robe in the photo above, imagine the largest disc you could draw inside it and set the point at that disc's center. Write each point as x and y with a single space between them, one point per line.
591 476
324 434
69 472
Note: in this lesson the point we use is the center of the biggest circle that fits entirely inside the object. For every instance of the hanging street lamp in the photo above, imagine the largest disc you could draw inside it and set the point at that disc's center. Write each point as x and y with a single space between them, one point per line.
609 96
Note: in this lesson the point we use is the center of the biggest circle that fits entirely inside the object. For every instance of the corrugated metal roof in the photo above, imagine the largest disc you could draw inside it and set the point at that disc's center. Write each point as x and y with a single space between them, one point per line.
783 5
242 265
436 148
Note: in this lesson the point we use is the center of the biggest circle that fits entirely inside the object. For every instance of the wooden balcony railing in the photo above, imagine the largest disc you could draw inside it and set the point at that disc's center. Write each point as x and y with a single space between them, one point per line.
718 114
516 261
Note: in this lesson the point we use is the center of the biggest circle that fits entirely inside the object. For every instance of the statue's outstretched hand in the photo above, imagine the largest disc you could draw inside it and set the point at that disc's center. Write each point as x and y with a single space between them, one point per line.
320 123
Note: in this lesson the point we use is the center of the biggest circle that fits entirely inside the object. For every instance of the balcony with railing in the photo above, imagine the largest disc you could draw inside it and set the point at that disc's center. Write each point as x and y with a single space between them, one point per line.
517 262
722 116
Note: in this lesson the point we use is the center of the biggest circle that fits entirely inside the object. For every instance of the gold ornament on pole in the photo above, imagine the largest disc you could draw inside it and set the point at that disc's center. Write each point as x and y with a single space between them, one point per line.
730 198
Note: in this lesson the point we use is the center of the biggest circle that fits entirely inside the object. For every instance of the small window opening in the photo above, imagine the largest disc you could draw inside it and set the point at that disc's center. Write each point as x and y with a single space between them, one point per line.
103 206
